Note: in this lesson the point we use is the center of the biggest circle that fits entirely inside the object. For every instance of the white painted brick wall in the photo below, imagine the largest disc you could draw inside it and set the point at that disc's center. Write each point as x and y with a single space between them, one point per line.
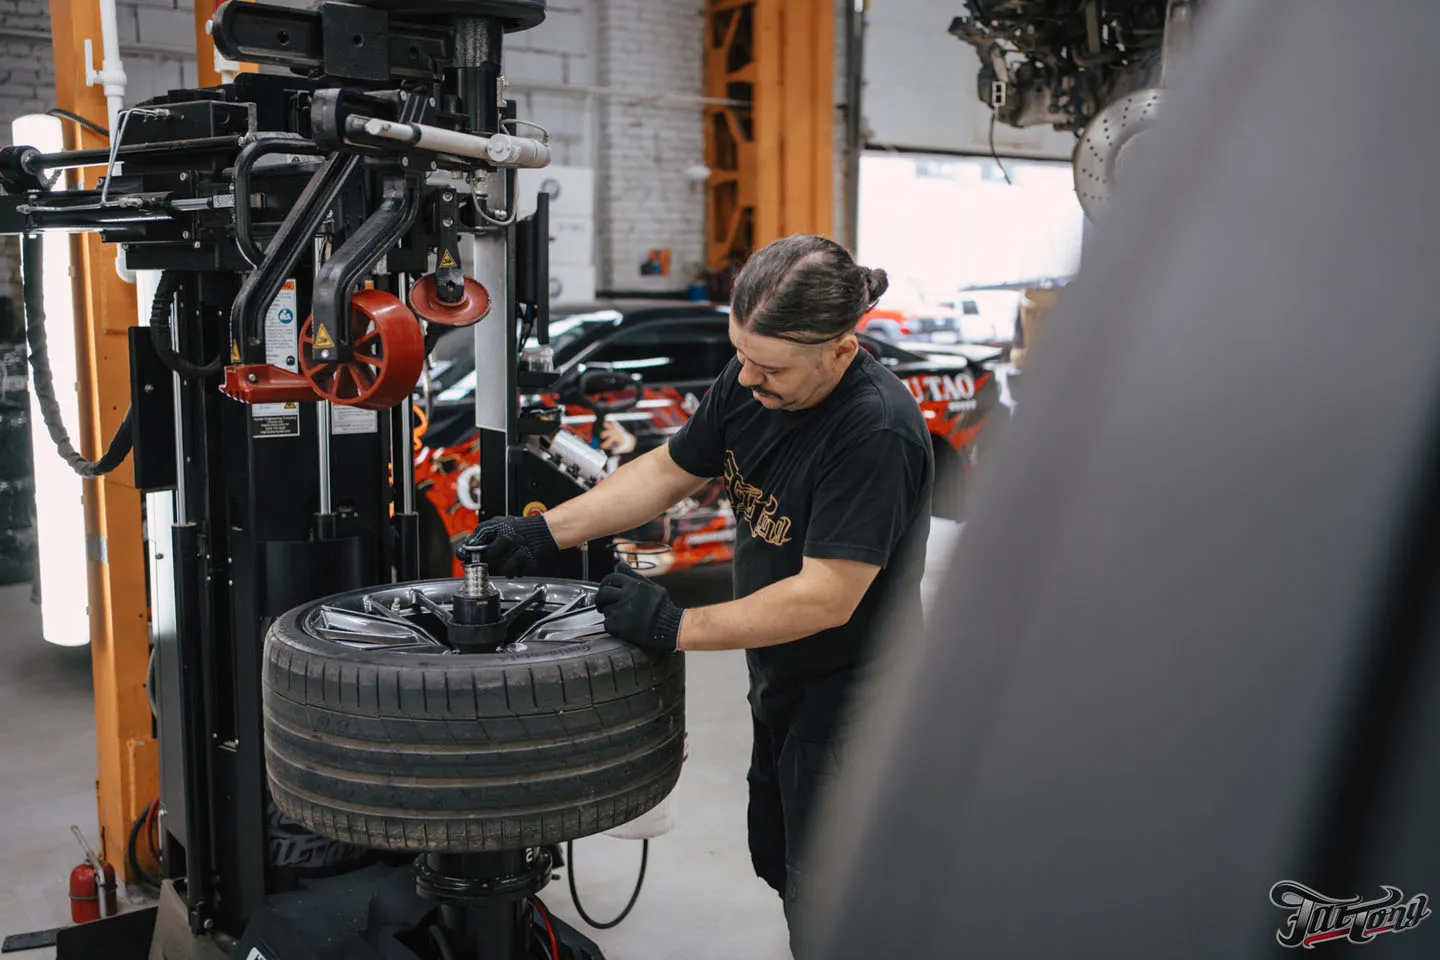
166 28
547 68
639 149
645 198
162 29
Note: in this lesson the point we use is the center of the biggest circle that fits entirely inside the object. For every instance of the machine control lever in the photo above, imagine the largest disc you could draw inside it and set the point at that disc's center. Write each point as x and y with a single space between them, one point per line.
449 277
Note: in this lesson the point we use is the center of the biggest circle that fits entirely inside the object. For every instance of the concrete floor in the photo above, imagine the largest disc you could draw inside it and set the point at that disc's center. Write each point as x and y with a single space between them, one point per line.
47 716
701 900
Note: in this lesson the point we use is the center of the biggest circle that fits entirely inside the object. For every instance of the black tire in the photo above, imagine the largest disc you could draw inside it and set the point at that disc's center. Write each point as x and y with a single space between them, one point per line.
455 753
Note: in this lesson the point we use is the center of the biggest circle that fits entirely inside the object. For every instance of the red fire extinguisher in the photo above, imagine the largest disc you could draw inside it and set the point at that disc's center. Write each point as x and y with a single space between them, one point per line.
92 887
85 900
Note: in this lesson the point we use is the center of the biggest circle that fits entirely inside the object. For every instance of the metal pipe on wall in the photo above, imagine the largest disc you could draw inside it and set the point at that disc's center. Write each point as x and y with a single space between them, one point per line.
622 93
854 122
111 75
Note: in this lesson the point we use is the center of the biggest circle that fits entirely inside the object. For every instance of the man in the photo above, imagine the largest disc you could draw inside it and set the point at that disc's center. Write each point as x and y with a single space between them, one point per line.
829 468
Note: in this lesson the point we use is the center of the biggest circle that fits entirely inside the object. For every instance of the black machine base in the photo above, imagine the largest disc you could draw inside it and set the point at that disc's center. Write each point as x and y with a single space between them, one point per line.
369 914
126 936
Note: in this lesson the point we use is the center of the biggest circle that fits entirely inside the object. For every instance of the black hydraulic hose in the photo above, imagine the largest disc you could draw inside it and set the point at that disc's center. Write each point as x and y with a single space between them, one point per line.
160 334
87 124
32 265
135 868
575 894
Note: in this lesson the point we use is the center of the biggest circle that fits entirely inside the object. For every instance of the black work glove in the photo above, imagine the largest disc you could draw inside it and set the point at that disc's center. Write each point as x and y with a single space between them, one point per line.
514 544
638 611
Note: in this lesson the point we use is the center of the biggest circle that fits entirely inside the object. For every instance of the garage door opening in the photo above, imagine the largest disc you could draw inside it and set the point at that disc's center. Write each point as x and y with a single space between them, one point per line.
956 236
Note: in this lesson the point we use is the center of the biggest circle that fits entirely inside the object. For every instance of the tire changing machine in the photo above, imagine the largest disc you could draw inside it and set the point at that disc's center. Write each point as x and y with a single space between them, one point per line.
368 189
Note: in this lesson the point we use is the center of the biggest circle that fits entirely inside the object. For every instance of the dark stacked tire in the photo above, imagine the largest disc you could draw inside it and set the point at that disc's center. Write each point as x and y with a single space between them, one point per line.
17 478
447 752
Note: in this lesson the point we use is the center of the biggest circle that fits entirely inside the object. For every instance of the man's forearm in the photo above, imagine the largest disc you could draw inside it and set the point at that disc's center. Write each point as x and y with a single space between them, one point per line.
786 610
637 492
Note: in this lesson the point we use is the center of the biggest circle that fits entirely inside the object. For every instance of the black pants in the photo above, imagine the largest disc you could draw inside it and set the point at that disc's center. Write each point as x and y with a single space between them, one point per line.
788 775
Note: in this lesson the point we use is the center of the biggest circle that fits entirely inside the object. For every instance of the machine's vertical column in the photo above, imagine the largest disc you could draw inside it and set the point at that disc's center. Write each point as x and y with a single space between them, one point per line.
494 369
325 518
475 81
322 419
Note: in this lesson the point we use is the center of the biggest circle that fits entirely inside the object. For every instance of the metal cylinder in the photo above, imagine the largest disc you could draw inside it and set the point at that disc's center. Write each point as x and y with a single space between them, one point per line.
583 460
424 136
407 459
322 418
475 79
501 149
477 580
506 151
477 41
322 415
482 899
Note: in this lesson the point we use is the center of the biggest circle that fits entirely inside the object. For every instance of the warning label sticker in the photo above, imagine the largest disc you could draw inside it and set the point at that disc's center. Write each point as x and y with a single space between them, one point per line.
447 259
347 420
275 419
323 340
281 330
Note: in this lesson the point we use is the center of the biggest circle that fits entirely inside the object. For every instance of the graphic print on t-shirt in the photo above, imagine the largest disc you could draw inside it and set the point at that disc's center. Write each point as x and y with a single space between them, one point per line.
753 507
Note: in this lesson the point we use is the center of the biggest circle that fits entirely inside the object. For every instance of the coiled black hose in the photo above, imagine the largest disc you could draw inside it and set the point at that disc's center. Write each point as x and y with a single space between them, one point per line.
130 847
31 264
575 894
160 334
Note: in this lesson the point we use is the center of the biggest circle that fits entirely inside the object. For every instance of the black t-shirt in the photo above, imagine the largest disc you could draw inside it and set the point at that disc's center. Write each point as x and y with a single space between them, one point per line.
847 479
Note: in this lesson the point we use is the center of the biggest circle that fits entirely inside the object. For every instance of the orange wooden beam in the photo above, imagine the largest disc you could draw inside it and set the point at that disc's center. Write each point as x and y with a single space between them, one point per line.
204 46
769 113
797 130
794 118
775 174
119 634
729 135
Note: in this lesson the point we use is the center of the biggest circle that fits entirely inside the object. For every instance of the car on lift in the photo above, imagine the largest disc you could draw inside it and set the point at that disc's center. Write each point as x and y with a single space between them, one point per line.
676 349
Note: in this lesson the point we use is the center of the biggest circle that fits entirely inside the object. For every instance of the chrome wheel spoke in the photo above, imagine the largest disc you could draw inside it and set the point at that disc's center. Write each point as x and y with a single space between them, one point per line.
417 617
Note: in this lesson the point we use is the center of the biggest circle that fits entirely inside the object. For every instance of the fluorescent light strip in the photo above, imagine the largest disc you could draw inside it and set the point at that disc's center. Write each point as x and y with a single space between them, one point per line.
59 511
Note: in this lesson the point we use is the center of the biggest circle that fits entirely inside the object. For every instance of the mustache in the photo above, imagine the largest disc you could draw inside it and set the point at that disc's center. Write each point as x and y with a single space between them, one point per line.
765 393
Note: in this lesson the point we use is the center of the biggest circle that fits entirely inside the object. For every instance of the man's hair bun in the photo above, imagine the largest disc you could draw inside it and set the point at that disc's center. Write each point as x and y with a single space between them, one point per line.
876 282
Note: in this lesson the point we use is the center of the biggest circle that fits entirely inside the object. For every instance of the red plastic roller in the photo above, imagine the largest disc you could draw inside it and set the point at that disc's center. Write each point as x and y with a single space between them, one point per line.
425 301
389 353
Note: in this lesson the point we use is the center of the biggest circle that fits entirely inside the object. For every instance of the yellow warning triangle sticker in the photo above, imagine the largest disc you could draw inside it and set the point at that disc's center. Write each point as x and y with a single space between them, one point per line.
323 340
234 351
290 405
448 260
